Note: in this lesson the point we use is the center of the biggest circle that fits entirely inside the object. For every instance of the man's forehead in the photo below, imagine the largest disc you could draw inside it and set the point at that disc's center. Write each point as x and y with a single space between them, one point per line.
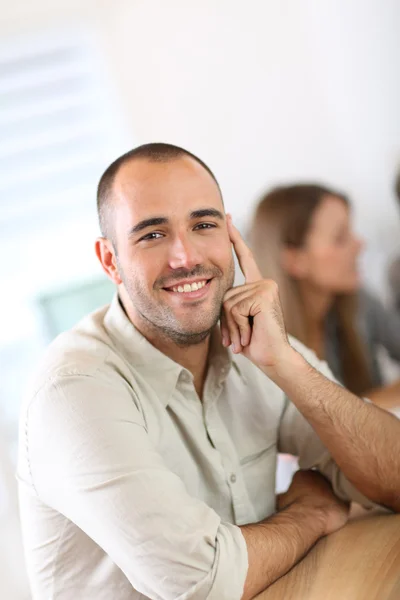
142 178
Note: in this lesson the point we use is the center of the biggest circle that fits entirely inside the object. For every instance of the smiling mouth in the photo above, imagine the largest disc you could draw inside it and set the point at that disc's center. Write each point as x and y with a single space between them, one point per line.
185 288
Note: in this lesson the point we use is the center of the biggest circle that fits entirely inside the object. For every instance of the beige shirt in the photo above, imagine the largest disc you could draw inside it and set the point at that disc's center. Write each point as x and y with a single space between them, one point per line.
130 486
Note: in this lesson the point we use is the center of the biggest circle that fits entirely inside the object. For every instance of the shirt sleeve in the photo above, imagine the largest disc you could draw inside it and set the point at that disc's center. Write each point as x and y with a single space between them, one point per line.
92 460
297 437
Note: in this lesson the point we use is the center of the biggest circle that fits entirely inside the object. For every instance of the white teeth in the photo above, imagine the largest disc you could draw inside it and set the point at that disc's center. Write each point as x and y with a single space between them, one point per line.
187 287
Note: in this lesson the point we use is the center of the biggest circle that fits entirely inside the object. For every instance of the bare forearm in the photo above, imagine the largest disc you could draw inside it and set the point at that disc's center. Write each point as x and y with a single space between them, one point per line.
363 440
278 543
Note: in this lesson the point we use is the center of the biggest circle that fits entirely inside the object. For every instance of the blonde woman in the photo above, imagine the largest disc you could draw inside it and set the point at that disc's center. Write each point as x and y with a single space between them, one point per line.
303 239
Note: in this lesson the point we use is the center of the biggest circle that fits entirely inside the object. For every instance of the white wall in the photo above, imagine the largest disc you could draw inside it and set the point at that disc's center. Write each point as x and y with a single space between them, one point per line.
264 91
271 91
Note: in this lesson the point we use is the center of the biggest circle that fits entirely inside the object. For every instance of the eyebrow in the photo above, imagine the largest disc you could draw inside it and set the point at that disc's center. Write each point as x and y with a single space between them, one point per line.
206 212
147 223
195 214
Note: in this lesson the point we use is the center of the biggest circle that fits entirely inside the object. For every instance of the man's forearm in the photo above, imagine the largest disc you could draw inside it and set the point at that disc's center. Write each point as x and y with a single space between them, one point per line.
278 543
363 440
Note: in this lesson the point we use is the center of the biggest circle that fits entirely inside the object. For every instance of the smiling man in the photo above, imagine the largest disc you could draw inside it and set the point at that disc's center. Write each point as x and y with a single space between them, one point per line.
148 443
152 248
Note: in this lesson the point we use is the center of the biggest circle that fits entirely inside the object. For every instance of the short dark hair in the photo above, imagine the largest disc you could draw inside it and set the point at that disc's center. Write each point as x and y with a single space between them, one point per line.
154 152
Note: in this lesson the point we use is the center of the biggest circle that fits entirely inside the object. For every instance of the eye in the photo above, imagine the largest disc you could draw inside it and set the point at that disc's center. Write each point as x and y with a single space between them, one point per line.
154 235
205 226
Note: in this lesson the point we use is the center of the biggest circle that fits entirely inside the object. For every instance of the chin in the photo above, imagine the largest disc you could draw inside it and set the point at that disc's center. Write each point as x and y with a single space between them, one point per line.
197 319
351 288
191 328
188 337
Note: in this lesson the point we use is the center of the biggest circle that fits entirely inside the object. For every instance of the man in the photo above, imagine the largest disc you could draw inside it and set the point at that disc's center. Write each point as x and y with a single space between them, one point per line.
148 444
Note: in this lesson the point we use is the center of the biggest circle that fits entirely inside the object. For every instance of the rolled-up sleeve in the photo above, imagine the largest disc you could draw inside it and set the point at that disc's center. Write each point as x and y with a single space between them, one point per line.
297 437
92 460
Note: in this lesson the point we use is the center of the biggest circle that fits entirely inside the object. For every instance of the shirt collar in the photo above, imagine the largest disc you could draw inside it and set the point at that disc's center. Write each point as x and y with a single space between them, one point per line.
159 370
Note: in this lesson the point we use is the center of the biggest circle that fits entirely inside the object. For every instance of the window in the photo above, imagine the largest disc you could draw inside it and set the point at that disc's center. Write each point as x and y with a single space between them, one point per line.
60 126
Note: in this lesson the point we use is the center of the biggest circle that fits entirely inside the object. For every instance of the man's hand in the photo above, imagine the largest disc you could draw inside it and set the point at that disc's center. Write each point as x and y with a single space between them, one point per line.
252 319
279 542
312 489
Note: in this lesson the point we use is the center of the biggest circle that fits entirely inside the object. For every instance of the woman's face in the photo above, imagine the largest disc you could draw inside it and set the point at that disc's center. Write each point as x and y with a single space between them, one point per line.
328 259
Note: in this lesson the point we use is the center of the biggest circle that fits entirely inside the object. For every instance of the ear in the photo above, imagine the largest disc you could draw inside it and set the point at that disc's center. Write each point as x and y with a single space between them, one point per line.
106 254
294 262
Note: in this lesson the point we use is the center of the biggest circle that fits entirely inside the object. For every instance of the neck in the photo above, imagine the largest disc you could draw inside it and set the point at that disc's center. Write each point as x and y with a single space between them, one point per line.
193 357
317 305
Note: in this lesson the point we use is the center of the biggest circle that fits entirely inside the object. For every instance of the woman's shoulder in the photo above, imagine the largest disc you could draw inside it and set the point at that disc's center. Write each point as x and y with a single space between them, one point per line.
371 315
380 322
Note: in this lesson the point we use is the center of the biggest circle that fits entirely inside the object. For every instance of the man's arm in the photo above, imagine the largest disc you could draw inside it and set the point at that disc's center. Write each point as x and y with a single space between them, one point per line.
275 545
86 453
98 467
362 439
278 543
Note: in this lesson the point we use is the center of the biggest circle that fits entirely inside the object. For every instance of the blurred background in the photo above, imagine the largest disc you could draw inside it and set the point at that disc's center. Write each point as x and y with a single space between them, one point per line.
265 91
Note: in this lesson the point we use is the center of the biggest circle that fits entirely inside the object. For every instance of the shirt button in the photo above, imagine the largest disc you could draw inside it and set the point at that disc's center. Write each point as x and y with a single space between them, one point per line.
233 478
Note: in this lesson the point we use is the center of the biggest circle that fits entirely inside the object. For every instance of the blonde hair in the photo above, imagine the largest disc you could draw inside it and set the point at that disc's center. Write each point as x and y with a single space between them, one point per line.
282 220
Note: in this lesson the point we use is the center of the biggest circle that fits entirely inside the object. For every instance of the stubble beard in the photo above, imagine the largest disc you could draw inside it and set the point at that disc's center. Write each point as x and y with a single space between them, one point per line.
160 320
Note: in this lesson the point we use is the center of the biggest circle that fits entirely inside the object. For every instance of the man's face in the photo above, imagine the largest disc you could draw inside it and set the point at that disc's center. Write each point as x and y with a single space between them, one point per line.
173 250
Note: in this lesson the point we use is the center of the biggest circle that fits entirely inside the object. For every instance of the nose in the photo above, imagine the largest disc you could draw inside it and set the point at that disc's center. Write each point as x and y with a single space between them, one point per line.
183 253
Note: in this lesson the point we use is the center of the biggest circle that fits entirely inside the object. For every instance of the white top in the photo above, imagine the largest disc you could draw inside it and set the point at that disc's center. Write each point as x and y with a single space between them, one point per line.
130 486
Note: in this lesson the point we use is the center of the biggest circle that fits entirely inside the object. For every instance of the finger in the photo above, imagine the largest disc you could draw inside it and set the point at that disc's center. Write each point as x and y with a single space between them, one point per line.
239 290
245 257
226 340
244 327
240 312
239 308
281 501
233 329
